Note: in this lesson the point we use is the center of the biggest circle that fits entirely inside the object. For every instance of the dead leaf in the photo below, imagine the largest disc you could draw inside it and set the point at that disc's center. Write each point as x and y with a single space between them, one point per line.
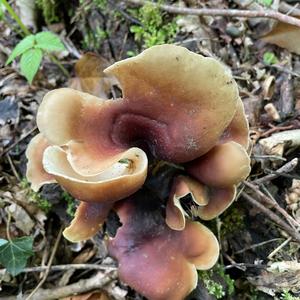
90 77
284 35
89 296
84 256
21 217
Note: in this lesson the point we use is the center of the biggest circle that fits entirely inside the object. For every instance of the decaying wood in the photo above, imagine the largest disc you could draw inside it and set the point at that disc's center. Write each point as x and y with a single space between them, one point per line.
276 143
275 282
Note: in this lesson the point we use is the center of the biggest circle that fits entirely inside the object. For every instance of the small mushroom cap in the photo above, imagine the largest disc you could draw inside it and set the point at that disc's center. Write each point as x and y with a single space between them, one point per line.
225 165
238 129
119 181
182 186
192 97
88 220
210 201
84 127
158 262
219 200
35 172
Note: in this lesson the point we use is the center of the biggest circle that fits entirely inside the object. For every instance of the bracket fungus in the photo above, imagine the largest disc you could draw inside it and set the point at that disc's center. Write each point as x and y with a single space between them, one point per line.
177 106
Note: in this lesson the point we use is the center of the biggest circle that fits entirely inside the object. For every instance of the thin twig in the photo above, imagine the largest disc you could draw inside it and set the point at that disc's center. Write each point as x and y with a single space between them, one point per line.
12 166
239 265
257 245
82 286
294 234
267 13
65 267
286 168
18 141
48 265
279 247
273 203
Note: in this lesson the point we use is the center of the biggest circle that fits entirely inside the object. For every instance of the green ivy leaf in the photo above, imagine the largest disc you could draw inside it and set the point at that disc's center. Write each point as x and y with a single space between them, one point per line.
22 46
14 254
30 63
49 41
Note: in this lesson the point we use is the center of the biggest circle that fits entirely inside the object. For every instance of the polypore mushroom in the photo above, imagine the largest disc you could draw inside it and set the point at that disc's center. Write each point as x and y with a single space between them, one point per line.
155 260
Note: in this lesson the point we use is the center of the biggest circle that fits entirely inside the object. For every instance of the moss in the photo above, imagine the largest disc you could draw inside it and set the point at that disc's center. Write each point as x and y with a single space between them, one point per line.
36 197
49 9
286 295
71 205
154 28
232 220
212 279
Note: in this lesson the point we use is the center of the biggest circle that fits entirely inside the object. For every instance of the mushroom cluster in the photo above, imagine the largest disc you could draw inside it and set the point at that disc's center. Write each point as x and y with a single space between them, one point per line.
177 106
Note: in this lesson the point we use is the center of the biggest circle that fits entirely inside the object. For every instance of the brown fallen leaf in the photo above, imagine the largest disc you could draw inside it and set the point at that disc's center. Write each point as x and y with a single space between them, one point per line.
89 296
285 36
90 77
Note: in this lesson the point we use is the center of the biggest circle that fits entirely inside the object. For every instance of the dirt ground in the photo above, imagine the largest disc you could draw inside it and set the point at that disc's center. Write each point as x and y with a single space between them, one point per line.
258 235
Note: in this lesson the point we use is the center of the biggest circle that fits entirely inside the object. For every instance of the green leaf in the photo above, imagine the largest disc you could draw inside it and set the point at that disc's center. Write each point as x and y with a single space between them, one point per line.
270 58
30 63
49 41
267 3
14 254
22 46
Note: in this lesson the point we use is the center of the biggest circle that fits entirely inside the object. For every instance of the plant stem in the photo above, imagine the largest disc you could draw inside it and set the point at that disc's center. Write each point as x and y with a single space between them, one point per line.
61 67
15 17
7 226
27 32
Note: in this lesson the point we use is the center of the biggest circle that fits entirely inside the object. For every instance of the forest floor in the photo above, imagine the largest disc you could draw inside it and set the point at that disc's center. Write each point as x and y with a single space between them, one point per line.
258 234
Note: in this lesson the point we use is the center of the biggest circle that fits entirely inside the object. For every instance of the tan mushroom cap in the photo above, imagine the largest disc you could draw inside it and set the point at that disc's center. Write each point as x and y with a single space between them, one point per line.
83 123
88 220
238 129
119 181
219 200
195 97
210 201
35 172
161 265
225 165
182 186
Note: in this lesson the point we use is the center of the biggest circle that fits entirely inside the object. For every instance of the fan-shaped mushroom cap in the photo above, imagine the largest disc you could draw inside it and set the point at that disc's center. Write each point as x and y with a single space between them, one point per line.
183 186
225 165
88 220
158 262
120 180
238 129
186 99
210 201
35 172
84 127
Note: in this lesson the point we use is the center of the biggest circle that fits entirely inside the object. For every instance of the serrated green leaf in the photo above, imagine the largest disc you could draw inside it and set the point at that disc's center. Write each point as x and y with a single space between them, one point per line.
27 43
30 63
49 41
3 242
15 253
